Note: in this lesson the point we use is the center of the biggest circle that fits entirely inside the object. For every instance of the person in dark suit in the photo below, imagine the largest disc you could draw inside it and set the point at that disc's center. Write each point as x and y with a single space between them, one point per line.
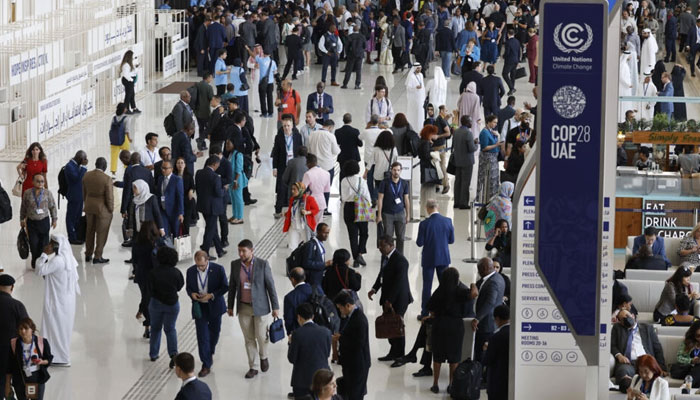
210 203
216 39
355 51
286 142
182 147
463 149
643 259
353 341
396 292
491 293
315 258
506 113
309 349
491 90
670 36
165 155
693 45
348 139
201 107
299 295
511 58
74 172
651 239
206 284
496 358
296 167
200 48
226 173
192 388
626 352
13 311
170 194
321 103
134 172
182 111
435 234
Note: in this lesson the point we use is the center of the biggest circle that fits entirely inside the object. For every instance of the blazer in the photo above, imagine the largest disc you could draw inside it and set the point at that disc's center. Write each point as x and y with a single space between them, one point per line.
210 193
217 284
263 292
183 115
279 150
299 295
12 311
174 193
182 147
194 390
132 174
200 40
314 263
393 282
311 104
445 40
668 92
692 40
496 359
463 147
294 172
671 29
204 95
398 34
435 233
157 170
652 346
74 178
353 345
308 352
659 389
511 56
309 205
657 249
490 296
216 36
98 193
225 172
348 139
491 89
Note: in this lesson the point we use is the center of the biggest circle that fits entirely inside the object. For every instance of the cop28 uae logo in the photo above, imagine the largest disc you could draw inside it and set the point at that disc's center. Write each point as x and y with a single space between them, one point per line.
573 38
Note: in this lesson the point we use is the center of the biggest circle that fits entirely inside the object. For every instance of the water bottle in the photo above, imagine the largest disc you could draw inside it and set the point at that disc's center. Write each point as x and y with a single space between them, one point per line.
687 384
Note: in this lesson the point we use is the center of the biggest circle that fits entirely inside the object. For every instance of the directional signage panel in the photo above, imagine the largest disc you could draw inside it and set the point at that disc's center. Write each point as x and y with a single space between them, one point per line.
569 183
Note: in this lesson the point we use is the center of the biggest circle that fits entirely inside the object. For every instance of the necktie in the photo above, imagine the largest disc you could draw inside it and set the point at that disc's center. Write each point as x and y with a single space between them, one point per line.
165 183
320 101
385 260
630 338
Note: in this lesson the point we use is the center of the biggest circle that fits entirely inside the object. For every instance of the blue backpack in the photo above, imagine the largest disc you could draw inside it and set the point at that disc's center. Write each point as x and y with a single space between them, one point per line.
117 132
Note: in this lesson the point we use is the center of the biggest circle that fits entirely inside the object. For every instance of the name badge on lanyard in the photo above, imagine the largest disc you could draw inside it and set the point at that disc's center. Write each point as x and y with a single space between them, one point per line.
246 284
39 210
397 192
28 360
203 284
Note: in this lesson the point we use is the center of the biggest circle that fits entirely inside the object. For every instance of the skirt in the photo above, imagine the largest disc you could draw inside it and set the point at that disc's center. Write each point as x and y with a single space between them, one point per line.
489 179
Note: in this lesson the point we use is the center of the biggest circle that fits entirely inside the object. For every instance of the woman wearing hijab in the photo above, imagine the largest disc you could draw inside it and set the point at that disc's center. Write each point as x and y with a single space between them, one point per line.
470 104
146 206
677 77
299 220
499 208
415 96
58 267
240 181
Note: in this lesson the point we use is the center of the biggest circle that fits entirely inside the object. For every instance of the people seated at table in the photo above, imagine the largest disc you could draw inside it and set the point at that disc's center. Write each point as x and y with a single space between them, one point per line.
682 315
654 241
678 283
643 259
688 356
690 248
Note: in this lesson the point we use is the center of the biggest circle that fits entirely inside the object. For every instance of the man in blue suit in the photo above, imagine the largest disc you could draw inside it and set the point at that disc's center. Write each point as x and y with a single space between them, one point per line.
171 195
491 90
206 285
435 234
693 45
182 147
299 295
192 388
308 351
670 35
210 202
666 91
226 173
321 103
315 258
74 172
651 239
216 39
511 58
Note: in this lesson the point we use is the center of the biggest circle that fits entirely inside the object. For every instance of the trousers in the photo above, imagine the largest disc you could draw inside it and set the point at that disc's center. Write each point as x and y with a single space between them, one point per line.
211 234
208 329
163 317
357 231
395 225
38 232
446 62
428 273
509 75
96 233
463 179
254 330
354 64
73 213
331 60
114 154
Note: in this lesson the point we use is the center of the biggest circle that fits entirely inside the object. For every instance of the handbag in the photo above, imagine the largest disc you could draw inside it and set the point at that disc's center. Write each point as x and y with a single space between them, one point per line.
276 330
451 167
429 175
520 73
389 325
456 68
17 188
483 211
196 310
23 244
363 207
183 246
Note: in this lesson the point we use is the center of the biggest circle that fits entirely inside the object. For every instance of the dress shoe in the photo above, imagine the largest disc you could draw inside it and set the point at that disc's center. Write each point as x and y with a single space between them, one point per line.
356 264
335 84
223 253
435 389
136 111
423 372
171 365
344 87
76 242
204 372
264 365
251 373
290 395
212 258
147 333
361 260
387 357
277 215
127 243
128 261
224 243
153 359
251 201
88 258
325 212
100 260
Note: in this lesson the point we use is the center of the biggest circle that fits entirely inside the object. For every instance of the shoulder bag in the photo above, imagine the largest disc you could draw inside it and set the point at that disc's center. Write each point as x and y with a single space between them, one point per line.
363 207
389 325
17 188
451 167
183 245
264 78
276 330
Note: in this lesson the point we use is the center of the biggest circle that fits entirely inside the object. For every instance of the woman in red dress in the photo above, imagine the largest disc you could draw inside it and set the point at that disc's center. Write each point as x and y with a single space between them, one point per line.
34 163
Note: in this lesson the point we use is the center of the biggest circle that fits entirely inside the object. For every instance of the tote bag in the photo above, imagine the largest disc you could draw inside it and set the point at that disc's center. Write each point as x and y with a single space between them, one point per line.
183 246
363 207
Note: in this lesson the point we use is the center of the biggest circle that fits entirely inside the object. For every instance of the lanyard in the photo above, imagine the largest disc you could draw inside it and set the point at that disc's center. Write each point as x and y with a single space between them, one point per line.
152 157
295 207
323 249
247 271
379 106
646 87
206 278
396 191
286 96
289 141
38 201
27 360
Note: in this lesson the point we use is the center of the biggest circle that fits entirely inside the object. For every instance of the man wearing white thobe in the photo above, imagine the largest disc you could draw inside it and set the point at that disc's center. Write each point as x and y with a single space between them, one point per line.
646 88
58 266
415 92
626 86
649 50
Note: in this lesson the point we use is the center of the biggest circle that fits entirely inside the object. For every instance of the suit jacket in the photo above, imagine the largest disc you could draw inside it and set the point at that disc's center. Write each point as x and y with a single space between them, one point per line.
435 233
217 284
463 147
354 344
469 76
657 249
174 193
445 40
348 139
279 150
98 193
308 352
692 40
399 36
650 342
216 36
74 177
491 89
210 192
668 92
314 263
490 296
263 292
496 359
131 175
299 295
671 28
200 40
157 171
247 32
357 44
312 104
182 147
225 172
393 282
512 56
296 167
182 114
504 114
194 390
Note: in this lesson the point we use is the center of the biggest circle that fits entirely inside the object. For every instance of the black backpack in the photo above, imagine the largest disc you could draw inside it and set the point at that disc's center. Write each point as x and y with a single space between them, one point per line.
117 132
169 124
5 206
466 383
325 313
62 185
411 143
296 258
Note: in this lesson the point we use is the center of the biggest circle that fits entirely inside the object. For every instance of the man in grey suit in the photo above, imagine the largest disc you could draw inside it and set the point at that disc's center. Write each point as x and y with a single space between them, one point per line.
182 112
398 37
309 349
490 296
463 149
252 290
296 167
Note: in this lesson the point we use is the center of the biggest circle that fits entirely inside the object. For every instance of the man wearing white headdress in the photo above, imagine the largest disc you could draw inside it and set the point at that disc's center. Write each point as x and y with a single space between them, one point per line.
437 88
645 109
649 49
58 266
415 92
626 86
634 72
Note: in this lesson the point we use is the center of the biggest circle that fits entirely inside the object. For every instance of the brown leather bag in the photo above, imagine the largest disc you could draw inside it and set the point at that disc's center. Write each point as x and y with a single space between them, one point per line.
389 325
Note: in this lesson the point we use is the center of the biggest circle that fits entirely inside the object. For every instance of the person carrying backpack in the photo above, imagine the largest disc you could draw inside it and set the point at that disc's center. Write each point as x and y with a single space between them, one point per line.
119 136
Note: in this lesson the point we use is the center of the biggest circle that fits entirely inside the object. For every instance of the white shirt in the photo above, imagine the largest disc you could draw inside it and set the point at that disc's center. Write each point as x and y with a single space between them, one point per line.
324 145
507 126
637 346
188 380
382 160
203 277
149 157
126 72
380 107
352 186
322 45
486 278
368 137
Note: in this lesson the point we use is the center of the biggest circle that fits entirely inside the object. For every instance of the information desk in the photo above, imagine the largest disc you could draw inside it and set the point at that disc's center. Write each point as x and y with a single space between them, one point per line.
664 200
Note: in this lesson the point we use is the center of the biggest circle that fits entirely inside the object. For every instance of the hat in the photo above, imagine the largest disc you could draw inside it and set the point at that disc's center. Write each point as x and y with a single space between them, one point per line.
646 30
416 64
6 280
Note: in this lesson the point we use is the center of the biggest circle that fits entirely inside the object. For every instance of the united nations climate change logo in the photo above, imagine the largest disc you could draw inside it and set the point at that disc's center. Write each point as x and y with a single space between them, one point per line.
569 101
570 38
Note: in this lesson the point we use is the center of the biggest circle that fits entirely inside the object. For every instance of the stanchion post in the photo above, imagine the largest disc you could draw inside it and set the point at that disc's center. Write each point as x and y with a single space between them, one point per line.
472 241
695 216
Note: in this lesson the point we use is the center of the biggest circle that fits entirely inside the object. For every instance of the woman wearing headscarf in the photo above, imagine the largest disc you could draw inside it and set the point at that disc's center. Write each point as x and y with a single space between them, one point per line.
240 181
499 208
470 104
59 268
299 220
677 77
415 96
146 206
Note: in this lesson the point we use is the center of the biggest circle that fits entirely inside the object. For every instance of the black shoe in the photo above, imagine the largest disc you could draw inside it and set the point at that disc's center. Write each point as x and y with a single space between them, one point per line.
511 91
224 243
355 264
404 360
361 260
435 389
358 87
423 372
76 242
153 359
136 111
147 333
251 201
290 395
128 261
395 71
223 253
127 243
171 365
387 357
212 258
665 60
325 212
88 258
100 260
344 87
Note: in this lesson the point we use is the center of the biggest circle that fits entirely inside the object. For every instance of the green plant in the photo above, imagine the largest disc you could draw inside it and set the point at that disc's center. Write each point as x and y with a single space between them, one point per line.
660 123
